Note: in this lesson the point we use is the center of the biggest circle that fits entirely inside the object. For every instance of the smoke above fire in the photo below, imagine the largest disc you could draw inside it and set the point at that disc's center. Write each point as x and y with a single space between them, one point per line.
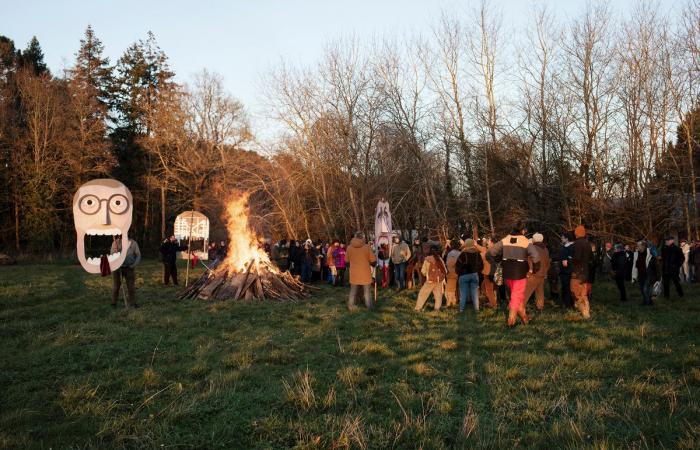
243 245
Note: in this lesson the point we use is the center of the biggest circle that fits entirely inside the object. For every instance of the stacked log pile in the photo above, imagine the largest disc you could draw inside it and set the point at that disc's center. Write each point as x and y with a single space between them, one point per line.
260 281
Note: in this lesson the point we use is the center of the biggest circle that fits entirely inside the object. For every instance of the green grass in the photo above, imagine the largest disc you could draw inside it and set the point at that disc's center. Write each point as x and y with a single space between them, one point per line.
193 374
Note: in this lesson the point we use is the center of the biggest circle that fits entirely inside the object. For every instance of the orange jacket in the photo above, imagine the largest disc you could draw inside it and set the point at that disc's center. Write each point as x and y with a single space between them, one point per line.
360 258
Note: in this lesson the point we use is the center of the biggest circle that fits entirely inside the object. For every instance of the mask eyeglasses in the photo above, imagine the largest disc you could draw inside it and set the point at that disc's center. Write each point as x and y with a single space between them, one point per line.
90 204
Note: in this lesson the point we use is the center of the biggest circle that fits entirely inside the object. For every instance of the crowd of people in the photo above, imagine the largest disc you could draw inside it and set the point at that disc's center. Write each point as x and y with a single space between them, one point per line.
512 269
509 270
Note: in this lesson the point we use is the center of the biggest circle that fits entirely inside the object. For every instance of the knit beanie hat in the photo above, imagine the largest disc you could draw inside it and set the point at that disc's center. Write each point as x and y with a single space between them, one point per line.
580 231
537 237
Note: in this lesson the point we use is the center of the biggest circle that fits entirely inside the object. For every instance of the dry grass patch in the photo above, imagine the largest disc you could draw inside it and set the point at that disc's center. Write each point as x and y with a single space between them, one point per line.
448 345
299 391
424 369
371 348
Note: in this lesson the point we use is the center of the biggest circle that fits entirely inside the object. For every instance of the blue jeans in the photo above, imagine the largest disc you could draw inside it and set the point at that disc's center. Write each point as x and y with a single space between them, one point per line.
306 272
469 287
646 287
400 275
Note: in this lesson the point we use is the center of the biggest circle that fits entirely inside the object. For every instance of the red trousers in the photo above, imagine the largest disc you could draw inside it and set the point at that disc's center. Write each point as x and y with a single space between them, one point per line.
517 293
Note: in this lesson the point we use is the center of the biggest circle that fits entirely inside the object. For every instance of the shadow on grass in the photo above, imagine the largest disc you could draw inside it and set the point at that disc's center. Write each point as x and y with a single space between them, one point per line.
311 374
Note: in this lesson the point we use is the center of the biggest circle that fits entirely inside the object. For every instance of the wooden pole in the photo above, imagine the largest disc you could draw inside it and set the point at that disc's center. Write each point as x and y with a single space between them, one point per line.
189 250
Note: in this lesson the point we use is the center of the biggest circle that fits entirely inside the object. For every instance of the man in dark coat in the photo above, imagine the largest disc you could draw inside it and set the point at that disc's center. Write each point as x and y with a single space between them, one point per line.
672 259
168 251
618 270
644 271
566 261
581 268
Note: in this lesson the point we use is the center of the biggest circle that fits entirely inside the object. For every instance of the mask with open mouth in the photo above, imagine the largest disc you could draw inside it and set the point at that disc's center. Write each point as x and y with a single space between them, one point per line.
102 209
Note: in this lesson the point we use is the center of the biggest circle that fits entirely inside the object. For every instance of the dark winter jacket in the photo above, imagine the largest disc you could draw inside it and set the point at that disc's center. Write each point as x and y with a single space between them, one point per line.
581 259
469 261
169 251
618 264
672 259
566 254
308 256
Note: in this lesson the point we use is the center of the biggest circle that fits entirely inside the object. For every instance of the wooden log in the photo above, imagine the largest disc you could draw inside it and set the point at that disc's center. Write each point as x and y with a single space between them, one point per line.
245 278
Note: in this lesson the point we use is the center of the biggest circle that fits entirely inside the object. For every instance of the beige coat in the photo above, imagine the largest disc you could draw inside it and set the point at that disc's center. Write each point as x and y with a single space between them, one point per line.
400 253
360 258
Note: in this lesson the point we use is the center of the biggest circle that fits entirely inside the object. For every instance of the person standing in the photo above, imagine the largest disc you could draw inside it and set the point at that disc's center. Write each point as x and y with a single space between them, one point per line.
308 259
487 283
330 260
222 251
383 258
400 255
535 282
618 270
168 251
685 268
468 266
452 276
414 265
581 265
361 259
515 251
434 271
211 251
671 262
565 258
126 271
339 260
606 264
644 271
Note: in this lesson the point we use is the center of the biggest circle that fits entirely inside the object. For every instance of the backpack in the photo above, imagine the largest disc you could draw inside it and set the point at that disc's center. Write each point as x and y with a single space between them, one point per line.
498 275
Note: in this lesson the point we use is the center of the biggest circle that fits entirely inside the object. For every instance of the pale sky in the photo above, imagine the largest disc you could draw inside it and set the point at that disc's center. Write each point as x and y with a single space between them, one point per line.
241 40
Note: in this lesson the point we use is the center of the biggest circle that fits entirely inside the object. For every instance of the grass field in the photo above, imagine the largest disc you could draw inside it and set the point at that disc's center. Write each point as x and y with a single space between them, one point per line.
173 374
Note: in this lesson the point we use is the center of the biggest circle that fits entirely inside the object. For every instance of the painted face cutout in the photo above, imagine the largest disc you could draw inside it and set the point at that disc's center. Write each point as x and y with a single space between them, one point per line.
102 207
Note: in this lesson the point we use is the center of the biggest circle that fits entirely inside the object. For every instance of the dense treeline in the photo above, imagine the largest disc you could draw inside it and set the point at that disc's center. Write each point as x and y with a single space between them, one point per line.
174 146
593 121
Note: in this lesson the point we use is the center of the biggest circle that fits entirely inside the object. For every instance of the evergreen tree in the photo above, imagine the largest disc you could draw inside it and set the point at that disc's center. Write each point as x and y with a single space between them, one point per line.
8 57
142 80
89 87
92 71
33 57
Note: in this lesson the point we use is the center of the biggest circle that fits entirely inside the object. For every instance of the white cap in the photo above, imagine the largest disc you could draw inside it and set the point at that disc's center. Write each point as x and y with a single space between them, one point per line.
537 237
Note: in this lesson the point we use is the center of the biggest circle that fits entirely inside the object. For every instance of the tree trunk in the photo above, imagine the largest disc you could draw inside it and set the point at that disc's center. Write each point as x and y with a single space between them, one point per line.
17 247
162 209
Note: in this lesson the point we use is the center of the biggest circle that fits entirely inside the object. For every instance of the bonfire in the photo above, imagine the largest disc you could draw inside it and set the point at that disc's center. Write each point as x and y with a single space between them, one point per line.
247 272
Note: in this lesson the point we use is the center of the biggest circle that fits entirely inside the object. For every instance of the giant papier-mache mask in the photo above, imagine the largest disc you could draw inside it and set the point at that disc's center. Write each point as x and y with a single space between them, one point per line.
102 207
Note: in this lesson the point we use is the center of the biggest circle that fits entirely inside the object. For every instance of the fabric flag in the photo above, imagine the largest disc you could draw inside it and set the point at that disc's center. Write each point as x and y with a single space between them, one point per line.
382 226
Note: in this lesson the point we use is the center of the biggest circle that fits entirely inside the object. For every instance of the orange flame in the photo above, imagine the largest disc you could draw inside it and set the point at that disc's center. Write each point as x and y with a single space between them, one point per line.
243 242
